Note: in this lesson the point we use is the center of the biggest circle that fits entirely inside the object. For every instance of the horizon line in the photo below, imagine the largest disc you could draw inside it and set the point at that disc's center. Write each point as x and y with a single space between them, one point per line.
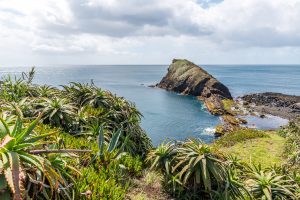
225 64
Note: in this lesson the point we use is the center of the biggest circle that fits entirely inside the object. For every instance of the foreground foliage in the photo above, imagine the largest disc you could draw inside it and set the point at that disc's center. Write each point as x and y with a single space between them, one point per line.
194 170
25 173
74 143
77 109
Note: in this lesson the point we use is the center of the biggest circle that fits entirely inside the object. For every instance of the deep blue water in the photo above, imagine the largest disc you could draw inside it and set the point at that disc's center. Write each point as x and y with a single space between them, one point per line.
166 114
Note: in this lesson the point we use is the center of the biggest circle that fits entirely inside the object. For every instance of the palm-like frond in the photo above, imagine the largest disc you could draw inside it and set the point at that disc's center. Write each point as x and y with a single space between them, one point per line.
111 149
57 111
198 166
162 157
44 91
269 185
86 94
19 165
22 108
13 89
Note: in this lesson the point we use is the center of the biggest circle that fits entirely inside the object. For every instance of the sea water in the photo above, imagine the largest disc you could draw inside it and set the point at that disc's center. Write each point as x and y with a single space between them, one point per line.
168 115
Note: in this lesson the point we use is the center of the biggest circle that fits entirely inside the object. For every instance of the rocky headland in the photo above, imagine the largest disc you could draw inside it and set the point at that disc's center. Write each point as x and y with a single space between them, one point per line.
189 79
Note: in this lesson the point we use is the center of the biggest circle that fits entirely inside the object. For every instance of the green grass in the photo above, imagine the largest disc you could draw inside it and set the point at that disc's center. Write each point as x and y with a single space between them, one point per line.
267 151
228 104
240 135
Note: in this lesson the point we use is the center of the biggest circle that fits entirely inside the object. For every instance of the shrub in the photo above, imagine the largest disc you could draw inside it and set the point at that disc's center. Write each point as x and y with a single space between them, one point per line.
161 157
99 184
132 165
198 167
264 184
32 164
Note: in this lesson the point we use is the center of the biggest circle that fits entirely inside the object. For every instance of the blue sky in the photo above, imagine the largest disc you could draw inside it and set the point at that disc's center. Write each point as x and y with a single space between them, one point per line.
45 32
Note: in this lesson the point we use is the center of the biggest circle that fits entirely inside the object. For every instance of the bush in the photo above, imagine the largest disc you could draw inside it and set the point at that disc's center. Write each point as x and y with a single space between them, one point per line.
292 146
132 165
71 118
76 109
99 184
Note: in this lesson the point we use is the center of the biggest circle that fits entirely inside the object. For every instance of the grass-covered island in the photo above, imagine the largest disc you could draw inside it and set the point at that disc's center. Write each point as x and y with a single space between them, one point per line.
81 142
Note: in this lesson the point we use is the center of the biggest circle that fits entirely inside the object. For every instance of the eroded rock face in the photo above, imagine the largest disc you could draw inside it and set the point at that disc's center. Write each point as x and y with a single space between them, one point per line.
187 78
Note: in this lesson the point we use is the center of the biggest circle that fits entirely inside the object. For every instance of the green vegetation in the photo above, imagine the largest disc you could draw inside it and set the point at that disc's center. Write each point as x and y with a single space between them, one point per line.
224 171
292 145
18 159
229 104
72 143
240 135
266 150
81 142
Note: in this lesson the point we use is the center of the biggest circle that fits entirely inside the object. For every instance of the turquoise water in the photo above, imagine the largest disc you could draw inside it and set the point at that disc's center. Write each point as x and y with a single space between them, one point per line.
166 114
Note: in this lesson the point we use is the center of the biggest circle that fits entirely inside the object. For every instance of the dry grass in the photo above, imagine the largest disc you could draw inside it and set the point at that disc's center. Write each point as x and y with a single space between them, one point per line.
148 187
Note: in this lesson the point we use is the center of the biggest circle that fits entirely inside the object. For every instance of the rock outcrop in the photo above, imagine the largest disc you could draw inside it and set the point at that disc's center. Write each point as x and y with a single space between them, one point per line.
189 79
282 105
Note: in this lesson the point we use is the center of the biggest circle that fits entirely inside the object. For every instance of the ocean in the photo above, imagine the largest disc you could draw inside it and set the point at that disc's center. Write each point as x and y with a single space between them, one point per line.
169 115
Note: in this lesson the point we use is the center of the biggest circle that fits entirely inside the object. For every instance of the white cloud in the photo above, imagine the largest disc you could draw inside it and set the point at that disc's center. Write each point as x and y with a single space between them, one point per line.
151 31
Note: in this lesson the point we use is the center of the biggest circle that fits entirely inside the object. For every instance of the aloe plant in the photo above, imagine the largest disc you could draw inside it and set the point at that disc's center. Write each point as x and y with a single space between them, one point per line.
57 111
87 94
45 170
13 89
45 91
232 187
21 108
162 157
198 166
111 150
21 167
268 185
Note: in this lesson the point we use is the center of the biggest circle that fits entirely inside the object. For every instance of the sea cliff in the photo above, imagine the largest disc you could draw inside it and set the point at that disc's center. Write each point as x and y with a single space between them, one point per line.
187 78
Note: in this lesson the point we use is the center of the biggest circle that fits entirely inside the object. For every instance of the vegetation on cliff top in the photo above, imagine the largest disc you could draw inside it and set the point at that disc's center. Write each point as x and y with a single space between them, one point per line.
246 164
71 143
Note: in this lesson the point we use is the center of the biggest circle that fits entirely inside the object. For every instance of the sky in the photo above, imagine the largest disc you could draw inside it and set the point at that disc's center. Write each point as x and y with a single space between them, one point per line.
46 32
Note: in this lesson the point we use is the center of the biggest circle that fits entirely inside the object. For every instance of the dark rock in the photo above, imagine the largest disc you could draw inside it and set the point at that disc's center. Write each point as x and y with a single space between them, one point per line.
243 121
282 105
187 78
295 106
271 99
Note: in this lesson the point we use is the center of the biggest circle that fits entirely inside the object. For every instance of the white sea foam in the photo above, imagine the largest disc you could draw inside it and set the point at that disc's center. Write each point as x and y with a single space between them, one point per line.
203 106
209 131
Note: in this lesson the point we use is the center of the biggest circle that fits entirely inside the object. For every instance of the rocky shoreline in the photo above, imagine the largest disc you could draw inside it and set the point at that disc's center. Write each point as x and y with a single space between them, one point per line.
186 78
277 104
